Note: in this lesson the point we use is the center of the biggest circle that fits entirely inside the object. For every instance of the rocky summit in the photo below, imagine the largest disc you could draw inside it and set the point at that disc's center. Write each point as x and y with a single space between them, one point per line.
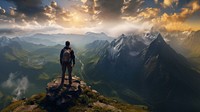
75 98
63 95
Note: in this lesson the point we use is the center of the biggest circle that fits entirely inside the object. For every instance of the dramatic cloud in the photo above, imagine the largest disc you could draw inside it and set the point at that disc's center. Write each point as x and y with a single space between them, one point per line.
12 11
111 10
170 22
176 21
156 1
2 11
132 7
149 13
20 85
178 26
28 7
28 10
33 11
57 14
169 3
193 7
106 10
144 16
91 14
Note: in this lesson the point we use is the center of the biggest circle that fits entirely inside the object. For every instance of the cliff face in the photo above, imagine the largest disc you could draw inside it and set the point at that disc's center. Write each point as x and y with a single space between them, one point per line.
76 98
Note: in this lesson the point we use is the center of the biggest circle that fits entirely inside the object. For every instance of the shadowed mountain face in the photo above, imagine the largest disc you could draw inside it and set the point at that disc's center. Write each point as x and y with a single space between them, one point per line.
191 44
119 57
168 79
156 74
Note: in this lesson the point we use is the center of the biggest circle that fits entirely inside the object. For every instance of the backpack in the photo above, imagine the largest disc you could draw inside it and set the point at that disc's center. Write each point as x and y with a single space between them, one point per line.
66 56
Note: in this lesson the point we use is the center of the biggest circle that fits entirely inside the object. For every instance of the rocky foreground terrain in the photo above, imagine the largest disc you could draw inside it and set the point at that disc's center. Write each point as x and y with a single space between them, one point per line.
76 98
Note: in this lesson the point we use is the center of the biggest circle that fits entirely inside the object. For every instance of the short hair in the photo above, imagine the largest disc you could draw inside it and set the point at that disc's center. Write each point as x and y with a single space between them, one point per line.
67 43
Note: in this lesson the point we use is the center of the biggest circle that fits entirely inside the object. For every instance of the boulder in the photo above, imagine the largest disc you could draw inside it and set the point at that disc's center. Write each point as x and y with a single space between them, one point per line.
64 95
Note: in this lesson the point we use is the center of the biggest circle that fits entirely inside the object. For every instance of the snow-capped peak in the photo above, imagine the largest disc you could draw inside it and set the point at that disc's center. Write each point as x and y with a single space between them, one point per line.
131 44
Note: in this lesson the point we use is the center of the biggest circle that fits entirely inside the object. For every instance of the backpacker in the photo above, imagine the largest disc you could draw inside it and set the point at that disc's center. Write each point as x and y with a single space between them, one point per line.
66 56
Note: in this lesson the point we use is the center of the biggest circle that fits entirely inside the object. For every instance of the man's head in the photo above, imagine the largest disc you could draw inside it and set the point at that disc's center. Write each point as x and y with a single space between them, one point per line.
67 43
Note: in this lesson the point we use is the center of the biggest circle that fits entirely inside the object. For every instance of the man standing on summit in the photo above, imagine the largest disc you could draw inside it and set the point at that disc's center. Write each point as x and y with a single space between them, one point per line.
67 60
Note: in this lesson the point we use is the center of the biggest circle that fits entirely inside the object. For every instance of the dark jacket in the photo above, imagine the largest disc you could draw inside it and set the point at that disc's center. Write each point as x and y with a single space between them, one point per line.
72 54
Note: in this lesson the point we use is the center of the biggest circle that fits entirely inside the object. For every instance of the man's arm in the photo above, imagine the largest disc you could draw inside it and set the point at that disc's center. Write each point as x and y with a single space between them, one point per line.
73 57
61 56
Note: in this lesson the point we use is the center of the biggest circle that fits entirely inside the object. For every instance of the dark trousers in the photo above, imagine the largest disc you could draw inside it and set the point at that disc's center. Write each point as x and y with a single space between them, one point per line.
69 67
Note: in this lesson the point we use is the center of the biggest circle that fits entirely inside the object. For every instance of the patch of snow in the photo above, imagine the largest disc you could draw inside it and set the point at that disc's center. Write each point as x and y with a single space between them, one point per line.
117 46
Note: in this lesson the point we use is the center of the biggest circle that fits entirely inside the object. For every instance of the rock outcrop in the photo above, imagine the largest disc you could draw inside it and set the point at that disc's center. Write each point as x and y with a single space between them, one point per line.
75 98
64 95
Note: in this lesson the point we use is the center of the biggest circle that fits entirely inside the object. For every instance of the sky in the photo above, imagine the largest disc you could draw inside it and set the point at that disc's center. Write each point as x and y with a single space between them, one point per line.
113 17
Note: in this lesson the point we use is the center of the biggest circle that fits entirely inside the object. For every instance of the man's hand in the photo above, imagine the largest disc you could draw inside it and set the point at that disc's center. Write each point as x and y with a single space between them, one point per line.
73 65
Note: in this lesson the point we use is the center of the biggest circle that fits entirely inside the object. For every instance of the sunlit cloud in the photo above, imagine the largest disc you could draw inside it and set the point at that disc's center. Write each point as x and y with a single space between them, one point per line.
169 3
2 11
169 22
156 1
177 26
149 13
176 21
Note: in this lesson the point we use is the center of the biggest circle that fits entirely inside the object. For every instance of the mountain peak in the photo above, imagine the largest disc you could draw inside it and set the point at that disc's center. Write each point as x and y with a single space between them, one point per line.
122 35
160 39
158 42
157 46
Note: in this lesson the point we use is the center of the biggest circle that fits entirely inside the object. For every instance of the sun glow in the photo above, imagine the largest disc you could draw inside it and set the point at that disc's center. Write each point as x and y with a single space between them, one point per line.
77 20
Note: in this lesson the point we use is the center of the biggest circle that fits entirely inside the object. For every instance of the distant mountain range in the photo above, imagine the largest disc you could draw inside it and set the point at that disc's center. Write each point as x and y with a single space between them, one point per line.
75 39
139 73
